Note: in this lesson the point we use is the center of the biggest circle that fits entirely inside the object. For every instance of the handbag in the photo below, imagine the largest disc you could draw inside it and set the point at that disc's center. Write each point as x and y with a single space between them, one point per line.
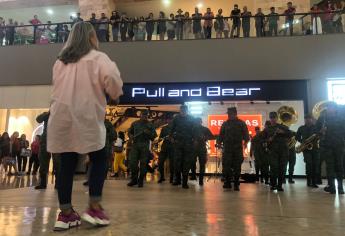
25 152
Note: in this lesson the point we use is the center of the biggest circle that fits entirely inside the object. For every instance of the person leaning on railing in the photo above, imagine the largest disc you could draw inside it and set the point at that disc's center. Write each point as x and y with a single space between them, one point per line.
208 23
187 26
171 25
236 21
161 26
197 24
272 20
115 20
150 26
246 17
2 31
219 24
289 12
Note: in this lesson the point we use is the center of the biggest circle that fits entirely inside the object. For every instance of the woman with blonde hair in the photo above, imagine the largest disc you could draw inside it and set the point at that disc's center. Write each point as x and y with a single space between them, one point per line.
83 78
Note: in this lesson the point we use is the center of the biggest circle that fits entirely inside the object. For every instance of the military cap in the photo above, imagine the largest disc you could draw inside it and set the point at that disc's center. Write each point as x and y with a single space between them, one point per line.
273 115
232 110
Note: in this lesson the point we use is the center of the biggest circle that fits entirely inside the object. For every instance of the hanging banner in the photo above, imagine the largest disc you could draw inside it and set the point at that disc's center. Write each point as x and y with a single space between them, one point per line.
215 123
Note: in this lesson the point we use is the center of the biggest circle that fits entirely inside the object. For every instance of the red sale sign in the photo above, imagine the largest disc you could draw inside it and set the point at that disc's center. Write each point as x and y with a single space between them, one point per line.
215 123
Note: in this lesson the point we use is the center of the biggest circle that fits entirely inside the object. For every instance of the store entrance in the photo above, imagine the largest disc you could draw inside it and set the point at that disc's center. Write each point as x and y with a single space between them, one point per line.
213 114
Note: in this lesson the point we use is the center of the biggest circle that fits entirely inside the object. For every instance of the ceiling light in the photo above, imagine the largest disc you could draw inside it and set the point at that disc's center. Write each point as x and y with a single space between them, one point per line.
166 2
200 5
50 12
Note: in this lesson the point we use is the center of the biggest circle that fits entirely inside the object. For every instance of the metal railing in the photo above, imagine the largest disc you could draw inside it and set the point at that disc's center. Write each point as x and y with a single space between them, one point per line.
181 28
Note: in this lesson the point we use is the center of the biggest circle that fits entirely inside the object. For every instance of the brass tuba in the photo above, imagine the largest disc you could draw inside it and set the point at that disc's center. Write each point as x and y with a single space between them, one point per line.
288 116
318 110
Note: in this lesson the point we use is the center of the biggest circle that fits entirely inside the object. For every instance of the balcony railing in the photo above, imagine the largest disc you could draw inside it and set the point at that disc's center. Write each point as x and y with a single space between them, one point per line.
181 28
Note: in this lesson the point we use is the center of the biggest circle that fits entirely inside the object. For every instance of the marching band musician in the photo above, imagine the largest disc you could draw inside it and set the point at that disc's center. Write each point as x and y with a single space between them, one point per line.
167 152
141 132
311 153
277 136
258 152
292 159
233 135
203 134
332 129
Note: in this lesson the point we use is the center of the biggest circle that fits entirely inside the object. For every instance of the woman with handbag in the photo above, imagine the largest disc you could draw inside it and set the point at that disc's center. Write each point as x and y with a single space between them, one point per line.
24 153
119 162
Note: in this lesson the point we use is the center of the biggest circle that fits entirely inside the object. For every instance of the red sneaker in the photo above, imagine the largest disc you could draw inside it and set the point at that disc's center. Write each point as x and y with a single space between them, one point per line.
96 217
65 222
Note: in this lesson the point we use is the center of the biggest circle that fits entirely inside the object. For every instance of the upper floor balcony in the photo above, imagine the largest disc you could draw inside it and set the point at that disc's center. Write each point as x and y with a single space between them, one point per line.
180 27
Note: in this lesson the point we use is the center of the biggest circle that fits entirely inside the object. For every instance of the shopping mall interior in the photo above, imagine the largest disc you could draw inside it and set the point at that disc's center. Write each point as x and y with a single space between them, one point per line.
257 75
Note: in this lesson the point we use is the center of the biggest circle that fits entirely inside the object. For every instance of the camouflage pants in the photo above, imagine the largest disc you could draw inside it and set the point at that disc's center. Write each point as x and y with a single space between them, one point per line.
334 161
232 162
183 153
138 156
278 159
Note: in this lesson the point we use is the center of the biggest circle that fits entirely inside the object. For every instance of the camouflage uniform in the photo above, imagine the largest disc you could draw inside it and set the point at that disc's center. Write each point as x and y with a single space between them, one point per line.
182 131
142 132
44 156
202 135
232 134
332 149
261 158
311 157
166 153
109 141
278 153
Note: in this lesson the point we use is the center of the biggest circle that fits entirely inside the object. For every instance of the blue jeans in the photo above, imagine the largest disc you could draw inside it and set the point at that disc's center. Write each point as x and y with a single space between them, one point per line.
98 173
115 34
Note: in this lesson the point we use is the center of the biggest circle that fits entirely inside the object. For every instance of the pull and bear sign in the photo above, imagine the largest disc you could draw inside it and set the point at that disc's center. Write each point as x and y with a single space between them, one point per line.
215 123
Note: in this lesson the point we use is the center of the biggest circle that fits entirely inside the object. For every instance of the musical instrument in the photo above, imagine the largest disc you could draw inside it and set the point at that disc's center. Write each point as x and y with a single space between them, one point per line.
308 144
288 116
318 110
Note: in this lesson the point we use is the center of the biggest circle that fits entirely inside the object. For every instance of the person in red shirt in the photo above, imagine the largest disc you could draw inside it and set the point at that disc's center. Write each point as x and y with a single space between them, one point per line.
35 21
34 161
328 18
289 17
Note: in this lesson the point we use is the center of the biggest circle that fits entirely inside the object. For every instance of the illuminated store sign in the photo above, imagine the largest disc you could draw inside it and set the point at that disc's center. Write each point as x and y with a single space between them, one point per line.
336 91
197 92
177 93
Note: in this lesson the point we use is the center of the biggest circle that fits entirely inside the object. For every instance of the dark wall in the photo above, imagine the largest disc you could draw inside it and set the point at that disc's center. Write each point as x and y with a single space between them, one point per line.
312 58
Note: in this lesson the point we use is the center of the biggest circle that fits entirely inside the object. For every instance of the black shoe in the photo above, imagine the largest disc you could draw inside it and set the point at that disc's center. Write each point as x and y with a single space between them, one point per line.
341 191
176 183
262 180
327 189
236 188
267 182
280 189
314 186
140 185
332 191
193 178
227 185
132 183
171 180
185 186
291 181
273 188
161 181
116 175
86 183
201 182
40 187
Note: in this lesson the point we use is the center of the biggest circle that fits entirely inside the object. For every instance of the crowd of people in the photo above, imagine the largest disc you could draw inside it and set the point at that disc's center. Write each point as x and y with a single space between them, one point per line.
16 152
182 25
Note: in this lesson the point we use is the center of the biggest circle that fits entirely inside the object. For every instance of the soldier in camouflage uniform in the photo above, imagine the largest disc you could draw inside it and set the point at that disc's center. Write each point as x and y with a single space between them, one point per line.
331 127
311 157
182 133
233 135
111 136
257 151
277 136
141 132
202 135
166 153
44 156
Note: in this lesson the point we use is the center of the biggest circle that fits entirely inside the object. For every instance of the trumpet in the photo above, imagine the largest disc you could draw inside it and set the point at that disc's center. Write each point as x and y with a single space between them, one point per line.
308 144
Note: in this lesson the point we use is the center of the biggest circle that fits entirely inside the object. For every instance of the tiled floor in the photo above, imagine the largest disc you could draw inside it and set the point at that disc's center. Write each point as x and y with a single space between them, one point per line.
167 210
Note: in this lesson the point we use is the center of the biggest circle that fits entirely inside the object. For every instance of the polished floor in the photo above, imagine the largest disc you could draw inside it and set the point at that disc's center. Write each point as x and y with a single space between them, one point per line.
167 210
